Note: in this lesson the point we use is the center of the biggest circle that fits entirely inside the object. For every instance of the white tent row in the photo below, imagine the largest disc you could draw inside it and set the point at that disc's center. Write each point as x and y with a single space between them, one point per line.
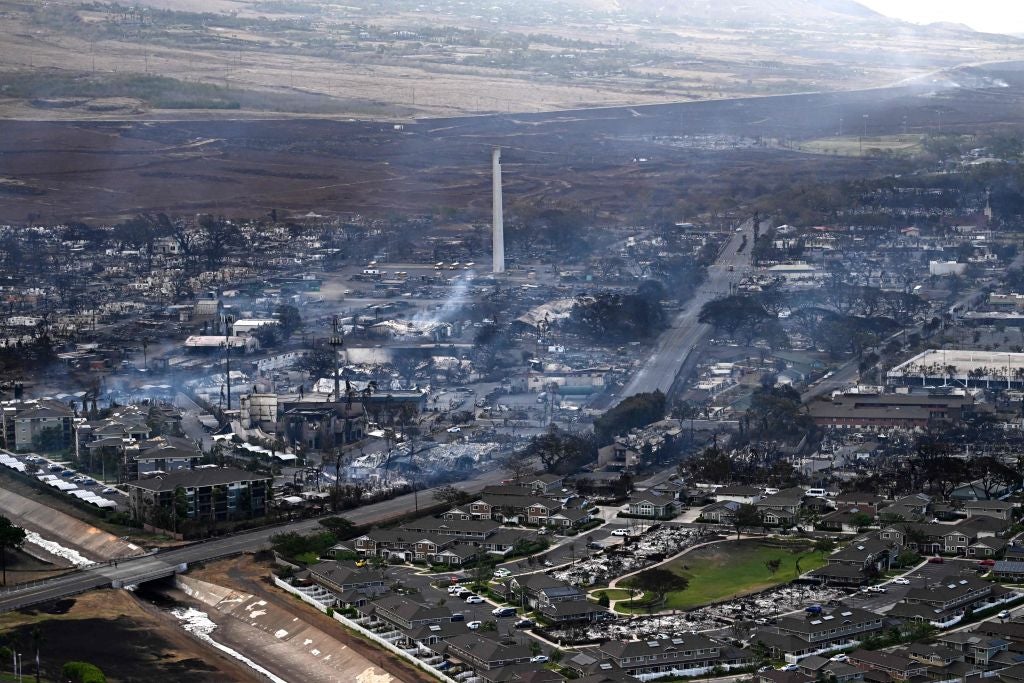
62 485
8 461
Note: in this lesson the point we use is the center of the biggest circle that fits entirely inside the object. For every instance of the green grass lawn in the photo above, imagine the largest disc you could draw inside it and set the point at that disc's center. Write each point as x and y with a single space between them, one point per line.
613 593
724 570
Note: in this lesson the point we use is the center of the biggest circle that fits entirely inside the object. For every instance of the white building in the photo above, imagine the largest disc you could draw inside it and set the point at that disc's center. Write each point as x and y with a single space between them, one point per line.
941 367
944 268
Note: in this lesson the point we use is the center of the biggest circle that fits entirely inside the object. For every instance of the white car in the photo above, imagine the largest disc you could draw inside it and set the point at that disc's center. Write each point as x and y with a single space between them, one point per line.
109 489
473 625
900 581
622 531
474 600
502 573
539 659
841 657
454 430
1005 614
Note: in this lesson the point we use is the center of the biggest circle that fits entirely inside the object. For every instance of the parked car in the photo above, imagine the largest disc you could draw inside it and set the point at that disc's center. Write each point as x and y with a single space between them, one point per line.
474 600
458 616
474 625
621 531
524 623
936 559
504 611
987 563
790 667
1005 614
901 581
841 657
501 573
539 659
109 489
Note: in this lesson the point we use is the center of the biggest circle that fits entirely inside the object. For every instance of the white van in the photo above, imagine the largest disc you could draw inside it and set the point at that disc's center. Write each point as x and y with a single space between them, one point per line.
816 493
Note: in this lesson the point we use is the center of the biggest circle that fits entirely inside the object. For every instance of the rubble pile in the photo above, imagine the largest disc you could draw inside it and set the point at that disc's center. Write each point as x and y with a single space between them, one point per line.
656 546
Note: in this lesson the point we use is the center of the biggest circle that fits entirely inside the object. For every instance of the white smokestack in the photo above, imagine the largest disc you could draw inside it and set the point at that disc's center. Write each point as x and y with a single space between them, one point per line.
498 237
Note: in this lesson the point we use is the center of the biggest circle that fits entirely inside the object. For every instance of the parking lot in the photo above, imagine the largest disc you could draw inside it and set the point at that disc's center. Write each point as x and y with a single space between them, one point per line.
894 592
426 592
69 482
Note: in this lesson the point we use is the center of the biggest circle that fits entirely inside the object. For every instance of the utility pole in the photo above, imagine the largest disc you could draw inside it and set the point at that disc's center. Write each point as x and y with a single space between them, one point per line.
336 342
227 356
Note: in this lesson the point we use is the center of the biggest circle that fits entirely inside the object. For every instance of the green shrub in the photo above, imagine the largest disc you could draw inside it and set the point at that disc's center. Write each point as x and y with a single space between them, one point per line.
82 672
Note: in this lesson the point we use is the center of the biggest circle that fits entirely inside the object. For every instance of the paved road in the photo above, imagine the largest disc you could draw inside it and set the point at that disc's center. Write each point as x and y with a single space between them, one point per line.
848 374
676 343
140 569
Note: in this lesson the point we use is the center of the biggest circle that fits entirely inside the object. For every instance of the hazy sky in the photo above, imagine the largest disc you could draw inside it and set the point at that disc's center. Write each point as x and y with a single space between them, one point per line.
997 16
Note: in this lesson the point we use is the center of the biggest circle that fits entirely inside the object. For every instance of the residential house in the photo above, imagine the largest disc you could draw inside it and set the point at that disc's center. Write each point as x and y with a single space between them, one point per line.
720 513
652 506
162 454
799 635
977 649
351 585
858 561
674 489
508 506
619 456
546 483
742 494
999 509
536 590
1010 571
688 652
913 508
939 602
782 508
404 613
987 547
898 667
848 518
482 653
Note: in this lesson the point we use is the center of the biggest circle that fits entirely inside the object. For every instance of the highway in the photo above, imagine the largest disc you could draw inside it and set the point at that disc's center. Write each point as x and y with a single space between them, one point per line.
140 569
676 343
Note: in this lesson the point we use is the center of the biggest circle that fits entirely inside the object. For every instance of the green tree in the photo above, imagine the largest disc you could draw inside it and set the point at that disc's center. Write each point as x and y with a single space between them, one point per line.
339 526
773 565
82 672
289 319
635 411
11 538
746 516
659 581
824 545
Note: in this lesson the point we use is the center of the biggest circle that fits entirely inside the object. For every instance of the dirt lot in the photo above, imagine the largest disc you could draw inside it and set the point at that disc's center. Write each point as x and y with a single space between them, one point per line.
23 568
100 170
128 639
355 657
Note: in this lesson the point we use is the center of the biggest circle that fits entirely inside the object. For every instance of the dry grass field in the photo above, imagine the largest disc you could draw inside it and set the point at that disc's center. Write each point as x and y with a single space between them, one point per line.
243 58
